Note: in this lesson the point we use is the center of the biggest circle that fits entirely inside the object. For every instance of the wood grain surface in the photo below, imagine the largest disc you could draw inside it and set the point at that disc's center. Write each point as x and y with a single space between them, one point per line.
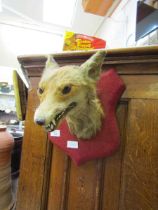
139 188
128 180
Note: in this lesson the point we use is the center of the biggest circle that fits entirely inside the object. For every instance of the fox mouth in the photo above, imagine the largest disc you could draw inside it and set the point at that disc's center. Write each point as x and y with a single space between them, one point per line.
54 123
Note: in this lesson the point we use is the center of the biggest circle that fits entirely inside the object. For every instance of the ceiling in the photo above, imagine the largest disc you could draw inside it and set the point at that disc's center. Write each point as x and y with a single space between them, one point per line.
26 13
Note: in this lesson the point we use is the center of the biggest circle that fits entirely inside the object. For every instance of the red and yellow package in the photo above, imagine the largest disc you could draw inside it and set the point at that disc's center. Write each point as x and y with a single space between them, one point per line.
73 41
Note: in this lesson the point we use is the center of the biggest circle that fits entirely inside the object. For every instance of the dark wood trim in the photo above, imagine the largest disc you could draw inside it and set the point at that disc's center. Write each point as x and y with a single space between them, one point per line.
99 183
65 189
35 63
47 174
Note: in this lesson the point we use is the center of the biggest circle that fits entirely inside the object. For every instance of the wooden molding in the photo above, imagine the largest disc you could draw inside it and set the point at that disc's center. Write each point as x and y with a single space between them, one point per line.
33 65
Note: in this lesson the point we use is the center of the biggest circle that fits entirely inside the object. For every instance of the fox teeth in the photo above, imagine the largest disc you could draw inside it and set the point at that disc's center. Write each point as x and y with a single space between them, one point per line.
48 126
60 116
52 126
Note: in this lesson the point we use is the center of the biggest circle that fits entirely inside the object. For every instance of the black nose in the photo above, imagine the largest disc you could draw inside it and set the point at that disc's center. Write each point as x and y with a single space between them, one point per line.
40 121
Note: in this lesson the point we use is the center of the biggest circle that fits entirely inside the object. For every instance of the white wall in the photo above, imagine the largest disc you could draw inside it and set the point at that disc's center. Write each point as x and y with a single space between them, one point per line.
119 29
16 41
30 8
83 22
120 26
19 41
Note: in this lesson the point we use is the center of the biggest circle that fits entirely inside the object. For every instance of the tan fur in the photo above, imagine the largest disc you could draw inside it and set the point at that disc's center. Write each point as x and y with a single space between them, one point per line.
85 119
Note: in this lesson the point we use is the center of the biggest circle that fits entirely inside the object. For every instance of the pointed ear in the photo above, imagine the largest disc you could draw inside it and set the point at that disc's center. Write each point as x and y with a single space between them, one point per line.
51 63
49 67
92 67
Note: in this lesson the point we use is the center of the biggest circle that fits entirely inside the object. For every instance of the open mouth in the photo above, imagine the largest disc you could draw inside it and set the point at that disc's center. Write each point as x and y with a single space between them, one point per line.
54 123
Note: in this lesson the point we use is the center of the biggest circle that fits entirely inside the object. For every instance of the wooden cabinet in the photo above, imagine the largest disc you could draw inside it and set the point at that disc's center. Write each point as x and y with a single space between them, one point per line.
128 180
100 7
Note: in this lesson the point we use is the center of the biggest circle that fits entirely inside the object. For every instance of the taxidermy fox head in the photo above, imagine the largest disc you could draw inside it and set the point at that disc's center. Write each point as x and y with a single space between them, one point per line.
70 92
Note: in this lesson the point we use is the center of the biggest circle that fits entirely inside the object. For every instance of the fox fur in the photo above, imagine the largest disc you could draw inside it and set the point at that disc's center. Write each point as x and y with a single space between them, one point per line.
69 93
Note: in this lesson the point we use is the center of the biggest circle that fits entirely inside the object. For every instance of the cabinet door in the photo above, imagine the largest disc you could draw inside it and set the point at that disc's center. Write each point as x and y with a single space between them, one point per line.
125 181
139 183
94 185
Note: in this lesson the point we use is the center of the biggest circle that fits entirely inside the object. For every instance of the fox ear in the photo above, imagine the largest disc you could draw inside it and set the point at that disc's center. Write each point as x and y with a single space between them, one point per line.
51 63
92 67
49 67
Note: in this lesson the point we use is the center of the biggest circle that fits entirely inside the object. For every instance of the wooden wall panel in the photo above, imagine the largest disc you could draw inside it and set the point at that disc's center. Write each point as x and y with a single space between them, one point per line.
94 185
59 176
140 171
141 86
84 181
33 163
113 166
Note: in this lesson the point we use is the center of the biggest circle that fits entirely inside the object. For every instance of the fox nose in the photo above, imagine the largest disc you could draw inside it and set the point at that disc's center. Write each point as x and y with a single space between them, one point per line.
40 121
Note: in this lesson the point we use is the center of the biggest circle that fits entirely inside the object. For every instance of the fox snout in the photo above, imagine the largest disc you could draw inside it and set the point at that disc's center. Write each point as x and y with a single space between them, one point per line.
40 121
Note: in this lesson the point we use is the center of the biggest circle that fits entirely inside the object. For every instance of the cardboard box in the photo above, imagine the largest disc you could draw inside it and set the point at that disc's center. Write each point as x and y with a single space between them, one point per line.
74 41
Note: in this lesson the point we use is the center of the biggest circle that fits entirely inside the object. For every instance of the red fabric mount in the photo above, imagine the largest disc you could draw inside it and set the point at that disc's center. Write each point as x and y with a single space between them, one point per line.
109 88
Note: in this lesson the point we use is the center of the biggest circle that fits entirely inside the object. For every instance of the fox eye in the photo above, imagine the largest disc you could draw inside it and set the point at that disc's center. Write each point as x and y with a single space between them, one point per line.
40 90
66 90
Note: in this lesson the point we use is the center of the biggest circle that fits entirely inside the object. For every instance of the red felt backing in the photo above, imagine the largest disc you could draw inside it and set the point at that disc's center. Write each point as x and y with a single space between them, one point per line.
106 142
